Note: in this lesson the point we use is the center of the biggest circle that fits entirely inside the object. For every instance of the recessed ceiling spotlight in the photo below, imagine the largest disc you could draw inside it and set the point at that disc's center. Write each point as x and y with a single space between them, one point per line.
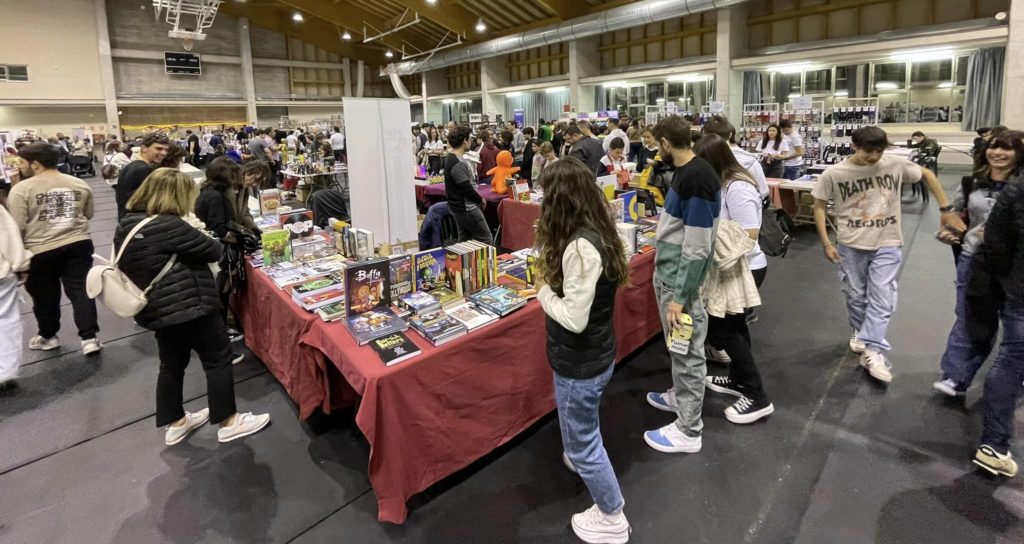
480 25
297 17
389 54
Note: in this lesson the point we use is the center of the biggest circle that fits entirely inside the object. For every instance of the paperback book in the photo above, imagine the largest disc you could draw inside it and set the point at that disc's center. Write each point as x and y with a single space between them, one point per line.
420 302
277 247
471 316
395 348
447 298
498 300
313 302
332 312
438 327
368 326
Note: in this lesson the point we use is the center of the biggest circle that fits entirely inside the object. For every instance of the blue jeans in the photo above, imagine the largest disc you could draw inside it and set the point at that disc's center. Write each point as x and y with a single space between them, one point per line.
962 359
869 282
579 418
1003 383
792 172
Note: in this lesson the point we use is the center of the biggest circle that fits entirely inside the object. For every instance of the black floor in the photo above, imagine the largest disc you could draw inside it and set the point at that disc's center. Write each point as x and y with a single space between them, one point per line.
842 460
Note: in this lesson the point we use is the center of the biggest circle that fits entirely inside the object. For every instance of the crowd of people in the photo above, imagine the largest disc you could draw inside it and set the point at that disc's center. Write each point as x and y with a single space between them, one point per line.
184 244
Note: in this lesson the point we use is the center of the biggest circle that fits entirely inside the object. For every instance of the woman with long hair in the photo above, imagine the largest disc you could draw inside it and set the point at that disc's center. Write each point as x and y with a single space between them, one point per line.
433 149
741 202
772 147
581 264
636 141
1000 167
183 306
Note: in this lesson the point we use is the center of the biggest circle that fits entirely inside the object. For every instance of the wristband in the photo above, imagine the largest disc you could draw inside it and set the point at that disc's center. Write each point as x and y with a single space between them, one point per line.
946 209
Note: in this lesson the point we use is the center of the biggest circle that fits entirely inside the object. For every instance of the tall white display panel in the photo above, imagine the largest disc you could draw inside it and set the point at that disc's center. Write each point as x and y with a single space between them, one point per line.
381 167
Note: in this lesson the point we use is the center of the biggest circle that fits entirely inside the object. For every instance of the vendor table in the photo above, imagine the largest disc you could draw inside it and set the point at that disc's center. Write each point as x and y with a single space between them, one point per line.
517 223
434 193
433 415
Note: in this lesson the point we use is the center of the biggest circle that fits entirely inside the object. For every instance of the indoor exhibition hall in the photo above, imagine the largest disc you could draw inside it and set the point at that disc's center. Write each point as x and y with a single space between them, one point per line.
491 271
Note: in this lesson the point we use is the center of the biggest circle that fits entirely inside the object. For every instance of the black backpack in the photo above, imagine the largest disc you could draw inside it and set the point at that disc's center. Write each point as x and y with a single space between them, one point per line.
776 232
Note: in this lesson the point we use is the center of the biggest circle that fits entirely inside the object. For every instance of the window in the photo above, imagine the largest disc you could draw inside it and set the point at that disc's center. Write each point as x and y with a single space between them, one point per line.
786 85
961 70
13 72
930 90
817 81
655 91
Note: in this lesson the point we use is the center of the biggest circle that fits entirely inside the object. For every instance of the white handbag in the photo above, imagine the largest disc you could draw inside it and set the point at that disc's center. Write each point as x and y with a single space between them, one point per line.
114 288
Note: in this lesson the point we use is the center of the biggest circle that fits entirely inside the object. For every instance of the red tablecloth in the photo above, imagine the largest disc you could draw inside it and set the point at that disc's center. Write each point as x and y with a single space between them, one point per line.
435 193
517 220
430 416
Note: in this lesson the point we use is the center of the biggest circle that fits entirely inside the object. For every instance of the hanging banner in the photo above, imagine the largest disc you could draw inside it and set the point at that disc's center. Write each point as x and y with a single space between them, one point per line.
519 117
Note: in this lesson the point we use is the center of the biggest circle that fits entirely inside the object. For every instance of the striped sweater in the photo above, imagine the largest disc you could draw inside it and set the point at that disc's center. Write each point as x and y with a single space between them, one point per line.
686 231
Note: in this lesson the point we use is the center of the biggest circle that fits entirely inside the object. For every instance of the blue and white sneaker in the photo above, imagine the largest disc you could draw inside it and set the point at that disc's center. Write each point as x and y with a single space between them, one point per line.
666 402
669 439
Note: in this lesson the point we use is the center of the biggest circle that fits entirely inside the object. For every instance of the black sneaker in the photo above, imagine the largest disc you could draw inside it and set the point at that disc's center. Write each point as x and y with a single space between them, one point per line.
237 358
747 410
722 384
234 335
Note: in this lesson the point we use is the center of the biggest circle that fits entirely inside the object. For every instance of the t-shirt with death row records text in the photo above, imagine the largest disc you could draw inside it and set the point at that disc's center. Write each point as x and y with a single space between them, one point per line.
867 200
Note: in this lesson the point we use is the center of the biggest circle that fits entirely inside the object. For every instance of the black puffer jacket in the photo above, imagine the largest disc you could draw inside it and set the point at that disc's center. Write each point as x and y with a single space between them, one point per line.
188 291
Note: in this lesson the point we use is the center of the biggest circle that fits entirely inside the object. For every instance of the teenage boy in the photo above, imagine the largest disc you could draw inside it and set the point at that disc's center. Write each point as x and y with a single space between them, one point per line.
865 190
794 162
464 202
685 247
52 211
152 152
613 132
586 149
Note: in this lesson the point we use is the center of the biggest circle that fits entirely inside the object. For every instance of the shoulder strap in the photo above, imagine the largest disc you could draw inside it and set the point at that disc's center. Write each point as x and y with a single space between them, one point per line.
163 272
130 236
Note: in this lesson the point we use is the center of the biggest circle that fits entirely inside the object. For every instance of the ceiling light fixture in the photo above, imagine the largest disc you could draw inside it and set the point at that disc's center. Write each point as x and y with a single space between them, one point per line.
790 68
688 77
924 55
480 25
886 86
614 84
346 36
659 101
843 93
297 17
448 101
388 54
431 2
513 94
554 90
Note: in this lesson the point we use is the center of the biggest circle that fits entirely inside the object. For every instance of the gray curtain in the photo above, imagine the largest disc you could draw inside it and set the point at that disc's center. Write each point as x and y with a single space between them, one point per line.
984 96
752 87
536 106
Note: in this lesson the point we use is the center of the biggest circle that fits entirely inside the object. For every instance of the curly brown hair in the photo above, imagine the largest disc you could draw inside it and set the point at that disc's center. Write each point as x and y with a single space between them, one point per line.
573 202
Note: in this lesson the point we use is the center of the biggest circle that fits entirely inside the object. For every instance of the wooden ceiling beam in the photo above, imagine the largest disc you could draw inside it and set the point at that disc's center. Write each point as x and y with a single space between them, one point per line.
566 9
352 18
453 17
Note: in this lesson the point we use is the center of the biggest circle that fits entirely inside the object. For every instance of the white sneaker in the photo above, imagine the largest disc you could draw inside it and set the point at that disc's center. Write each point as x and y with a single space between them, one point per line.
717 355
856 345
91 346
877 366
568 463
244 425
669 439
175 435
595 527
949 387
237 358
666 402
44 344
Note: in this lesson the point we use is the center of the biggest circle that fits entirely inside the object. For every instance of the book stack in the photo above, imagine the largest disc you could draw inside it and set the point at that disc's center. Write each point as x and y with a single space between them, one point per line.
368 326
420 303
368 301
356 243
437 327
472 316
498 300
646 234
447 298
317 293
471 267
332 312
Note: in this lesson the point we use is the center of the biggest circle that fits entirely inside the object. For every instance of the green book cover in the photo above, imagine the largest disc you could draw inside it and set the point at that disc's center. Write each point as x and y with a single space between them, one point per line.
277 247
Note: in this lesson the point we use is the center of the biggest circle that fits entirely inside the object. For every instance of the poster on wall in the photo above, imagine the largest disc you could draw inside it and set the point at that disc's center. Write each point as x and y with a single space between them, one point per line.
519 116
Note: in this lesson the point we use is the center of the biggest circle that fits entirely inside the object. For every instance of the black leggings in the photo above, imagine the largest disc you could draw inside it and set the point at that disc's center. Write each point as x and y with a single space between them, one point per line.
730 333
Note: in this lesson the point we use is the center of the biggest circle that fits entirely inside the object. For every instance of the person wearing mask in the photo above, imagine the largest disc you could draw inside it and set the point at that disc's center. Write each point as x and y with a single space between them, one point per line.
976 195
52 212
685 248
615 159
585 149
14 266
114 159
152 151
741 203
648 150
793 163
434 150
338 145
772 149
166 197
581 265
464 202
870 237
613 132
488 155
723 128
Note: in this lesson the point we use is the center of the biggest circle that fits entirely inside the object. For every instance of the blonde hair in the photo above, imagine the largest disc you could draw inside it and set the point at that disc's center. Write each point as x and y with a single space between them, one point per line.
546 148
165 191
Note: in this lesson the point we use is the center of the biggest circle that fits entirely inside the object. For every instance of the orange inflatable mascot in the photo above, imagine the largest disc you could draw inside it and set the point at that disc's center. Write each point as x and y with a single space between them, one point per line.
502 172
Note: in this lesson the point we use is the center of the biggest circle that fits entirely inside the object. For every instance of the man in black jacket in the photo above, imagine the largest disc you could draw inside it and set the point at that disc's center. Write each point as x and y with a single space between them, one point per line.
586 149
152 152
464 202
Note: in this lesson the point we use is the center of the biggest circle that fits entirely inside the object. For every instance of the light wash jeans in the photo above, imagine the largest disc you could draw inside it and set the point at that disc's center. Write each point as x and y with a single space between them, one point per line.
962 360
10 329
869 283
688 371
579 418
1003 382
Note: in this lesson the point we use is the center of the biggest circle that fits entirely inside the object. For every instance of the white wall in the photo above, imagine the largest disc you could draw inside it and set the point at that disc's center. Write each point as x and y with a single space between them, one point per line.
58 41
50 120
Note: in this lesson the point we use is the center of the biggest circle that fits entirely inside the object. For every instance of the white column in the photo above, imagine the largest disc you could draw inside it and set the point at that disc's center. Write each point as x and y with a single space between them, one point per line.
346 74
493 75
732 43
1013 79
248 80
107 69
584 61
360 76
